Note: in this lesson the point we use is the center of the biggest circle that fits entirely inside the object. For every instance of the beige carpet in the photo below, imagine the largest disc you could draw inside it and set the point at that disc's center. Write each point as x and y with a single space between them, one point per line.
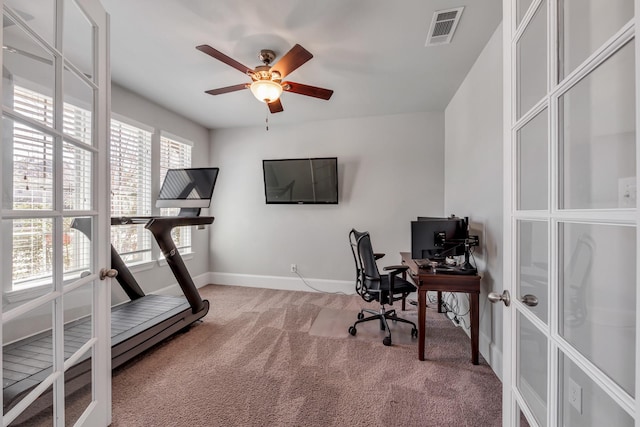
280 358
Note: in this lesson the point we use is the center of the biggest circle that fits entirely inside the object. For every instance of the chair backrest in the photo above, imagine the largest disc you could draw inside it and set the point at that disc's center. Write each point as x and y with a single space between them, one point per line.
367 274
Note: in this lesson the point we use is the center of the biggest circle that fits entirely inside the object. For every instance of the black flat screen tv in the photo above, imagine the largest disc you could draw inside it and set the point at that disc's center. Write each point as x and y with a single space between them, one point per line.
301 181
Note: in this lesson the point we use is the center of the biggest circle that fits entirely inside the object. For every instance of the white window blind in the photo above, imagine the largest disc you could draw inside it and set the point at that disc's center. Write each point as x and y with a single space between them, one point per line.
175 155
130 189
32 153
32 178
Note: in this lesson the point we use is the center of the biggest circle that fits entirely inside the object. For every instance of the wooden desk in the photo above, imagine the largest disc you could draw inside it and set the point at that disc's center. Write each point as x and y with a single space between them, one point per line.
428 281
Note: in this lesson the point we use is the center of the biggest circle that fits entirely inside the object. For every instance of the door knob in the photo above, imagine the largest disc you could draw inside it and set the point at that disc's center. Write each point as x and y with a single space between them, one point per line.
504 297
108 272
530 300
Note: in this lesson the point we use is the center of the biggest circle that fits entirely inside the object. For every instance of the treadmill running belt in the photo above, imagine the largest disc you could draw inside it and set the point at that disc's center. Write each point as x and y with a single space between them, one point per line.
27 362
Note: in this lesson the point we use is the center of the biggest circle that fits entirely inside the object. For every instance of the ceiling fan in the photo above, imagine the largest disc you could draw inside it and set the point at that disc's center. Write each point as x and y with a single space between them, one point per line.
267 84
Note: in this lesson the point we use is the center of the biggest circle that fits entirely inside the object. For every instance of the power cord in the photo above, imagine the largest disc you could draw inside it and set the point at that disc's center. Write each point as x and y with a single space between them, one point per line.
451 309
315 289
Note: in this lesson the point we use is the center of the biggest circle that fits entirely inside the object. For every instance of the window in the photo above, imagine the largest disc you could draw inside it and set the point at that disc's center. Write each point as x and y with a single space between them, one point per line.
31 177
130 189
32 189
175 155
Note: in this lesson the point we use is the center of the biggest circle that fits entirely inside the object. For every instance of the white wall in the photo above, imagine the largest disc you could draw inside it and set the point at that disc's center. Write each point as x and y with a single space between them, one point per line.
130 105
390 170
473 180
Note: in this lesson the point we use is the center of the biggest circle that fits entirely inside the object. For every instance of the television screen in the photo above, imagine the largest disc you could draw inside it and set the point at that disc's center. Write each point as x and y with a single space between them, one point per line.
301 181
187 188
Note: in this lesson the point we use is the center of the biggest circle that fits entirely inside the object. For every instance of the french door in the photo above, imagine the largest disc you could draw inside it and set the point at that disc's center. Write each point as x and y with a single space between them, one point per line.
54 230
571 239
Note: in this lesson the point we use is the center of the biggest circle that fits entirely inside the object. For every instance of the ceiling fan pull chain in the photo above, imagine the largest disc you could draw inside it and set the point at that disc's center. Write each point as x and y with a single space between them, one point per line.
266 120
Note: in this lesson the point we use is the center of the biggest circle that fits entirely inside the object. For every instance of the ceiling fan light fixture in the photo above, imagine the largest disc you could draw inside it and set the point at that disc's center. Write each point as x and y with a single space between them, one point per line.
266 90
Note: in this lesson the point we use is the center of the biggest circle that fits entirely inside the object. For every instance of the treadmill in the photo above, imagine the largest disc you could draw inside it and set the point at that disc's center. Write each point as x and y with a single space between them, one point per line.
143 321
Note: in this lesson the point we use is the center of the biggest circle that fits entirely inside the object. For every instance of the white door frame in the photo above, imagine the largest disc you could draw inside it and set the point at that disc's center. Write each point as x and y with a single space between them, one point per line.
509 374
98 412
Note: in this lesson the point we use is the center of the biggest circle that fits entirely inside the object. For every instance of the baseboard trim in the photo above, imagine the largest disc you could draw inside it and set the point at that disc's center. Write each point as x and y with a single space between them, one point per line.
283 283
174 289
491 353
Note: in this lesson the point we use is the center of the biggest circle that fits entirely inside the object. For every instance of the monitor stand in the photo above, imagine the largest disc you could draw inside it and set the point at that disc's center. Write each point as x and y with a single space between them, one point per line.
467 267
189 212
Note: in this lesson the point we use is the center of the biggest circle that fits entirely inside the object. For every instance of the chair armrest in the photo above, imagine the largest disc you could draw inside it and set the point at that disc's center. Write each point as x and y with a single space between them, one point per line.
394 270
378 255
398 268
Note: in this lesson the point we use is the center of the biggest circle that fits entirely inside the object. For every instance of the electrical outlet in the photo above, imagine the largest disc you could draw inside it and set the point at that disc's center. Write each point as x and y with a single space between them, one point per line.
294 268
575 395
627 192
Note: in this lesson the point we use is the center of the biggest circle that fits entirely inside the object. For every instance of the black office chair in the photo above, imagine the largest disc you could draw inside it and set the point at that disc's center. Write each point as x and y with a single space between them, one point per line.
372 286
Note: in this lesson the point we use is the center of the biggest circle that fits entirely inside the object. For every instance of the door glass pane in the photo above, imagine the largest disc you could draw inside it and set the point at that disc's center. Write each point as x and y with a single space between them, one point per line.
27 352
78 322
531 62
597 281
533 164
532 368
597 136
584 403
27 160
521 418
38 14
78 104
533 265
78 38
521 8
76 399
77 172
32 253
577 40
27 65
76 249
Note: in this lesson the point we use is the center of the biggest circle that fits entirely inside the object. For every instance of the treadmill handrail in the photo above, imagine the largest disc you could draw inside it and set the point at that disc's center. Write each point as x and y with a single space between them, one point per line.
170 221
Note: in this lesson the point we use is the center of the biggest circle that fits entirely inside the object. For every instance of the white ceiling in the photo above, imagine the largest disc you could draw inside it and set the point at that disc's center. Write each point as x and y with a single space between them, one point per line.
370 52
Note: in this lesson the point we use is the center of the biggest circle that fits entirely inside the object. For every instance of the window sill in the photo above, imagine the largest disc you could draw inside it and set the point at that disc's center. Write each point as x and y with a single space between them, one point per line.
141 266
12 297
35 291
162 261
39 288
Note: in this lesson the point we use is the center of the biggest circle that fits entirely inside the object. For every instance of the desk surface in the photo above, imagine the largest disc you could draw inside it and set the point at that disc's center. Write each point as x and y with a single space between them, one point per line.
441 282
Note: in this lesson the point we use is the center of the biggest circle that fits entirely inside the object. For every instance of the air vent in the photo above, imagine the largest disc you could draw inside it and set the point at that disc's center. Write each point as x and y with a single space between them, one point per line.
443 26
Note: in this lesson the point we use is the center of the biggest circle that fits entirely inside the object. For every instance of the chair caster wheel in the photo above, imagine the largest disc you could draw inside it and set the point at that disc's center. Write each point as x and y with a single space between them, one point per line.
414 333
386 341
352 330
360 316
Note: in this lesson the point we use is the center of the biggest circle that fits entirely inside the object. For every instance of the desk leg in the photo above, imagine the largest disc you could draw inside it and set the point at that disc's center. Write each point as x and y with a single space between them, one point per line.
440 302
475 326
422 307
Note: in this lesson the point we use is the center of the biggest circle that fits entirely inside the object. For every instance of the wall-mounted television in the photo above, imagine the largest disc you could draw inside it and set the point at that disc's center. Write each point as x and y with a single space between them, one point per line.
301 181
187 188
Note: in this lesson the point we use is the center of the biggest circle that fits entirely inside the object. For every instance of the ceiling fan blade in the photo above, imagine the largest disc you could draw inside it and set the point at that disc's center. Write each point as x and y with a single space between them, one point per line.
275 106
224 58
316 92
292 60
227 89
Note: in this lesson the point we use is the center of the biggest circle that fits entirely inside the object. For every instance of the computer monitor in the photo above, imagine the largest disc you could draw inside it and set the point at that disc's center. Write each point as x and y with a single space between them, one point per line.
189 188
437 238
